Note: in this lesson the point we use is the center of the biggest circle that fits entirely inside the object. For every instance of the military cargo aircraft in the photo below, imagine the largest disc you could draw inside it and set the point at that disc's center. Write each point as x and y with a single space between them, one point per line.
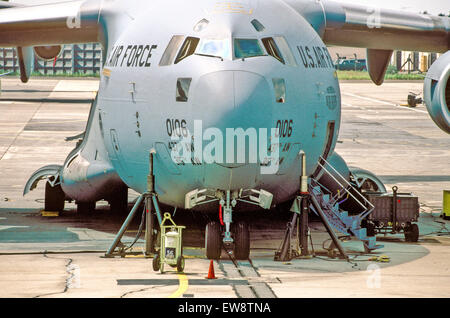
192 81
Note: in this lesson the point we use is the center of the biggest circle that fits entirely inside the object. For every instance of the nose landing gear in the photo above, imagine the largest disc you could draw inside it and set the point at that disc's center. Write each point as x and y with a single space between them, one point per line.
227 217
241 240
213 240
215 237
233 237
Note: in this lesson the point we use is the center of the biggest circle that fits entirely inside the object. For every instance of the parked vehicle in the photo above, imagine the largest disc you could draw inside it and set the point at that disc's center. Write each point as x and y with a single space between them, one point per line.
351 65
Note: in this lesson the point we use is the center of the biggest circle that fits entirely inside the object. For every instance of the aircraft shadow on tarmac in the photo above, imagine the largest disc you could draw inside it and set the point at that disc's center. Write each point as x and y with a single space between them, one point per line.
28 226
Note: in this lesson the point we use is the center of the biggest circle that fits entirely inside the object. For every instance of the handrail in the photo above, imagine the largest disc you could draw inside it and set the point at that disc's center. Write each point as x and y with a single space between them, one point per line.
367 208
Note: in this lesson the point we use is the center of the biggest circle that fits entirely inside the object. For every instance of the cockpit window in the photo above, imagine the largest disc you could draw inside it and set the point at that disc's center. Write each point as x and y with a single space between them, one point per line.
182 91
171 50
272 49
286 52
188 48
279 87
244 48
220 48
257 25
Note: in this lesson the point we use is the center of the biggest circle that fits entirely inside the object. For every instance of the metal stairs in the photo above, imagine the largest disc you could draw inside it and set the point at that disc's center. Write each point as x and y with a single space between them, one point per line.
337 218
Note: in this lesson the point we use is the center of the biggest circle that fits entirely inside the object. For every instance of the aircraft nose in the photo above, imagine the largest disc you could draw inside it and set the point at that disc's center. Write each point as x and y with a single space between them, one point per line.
228 101
232 99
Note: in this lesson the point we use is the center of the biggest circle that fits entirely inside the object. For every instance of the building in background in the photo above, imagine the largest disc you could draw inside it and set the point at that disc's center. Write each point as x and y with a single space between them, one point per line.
86 59
402 60
82 59
413 61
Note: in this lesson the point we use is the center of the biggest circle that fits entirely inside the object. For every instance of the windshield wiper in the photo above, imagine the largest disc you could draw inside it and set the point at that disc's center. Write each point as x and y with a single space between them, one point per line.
209 55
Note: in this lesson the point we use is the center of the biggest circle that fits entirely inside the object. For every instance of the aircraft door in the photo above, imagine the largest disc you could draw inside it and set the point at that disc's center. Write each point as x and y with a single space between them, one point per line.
327 150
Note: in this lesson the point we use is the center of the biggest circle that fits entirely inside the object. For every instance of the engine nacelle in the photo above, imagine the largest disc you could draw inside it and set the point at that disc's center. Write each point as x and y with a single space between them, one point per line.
362 180
436 92
47 52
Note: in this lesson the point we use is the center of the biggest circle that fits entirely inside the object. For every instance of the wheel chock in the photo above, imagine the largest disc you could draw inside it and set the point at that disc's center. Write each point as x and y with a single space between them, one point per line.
49 213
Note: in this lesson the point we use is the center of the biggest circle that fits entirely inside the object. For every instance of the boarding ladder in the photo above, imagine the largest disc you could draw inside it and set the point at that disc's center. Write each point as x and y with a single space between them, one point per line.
337 218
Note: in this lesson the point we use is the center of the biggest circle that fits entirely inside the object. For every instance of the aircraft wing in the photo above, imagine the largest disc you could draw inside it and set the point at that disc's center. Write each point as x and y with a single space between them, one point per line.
50 24
372 27
379 30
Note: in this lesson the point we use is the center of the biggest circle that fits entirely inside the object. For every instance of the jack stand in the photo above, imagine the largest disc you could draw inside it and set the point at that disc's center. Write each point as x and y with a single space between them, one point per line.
126 223
286 253
303 203
151 203
304 225
300 206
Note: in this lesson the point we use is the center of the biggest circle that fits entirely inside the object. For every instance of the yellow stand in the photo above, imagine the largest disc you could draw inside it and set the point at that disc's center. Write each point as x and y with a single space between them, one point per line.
446 205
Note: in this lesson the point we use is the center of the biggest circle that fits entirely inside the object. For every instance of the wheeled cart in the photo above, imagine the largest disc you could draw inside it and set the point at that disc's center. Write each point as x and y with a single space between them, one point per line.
171 249
394 212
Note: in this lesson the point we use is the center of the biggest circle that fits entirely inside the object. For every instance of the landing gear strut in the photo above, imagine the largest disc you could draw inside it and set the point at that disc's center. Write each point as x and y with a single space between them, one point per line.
241 235
228 206
236 236
240 238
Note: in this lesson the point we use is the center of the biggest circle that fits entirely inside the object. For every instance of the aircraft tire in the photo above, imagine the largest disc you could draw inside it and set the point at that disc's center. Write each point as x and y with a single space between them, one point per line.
370 227
54 198
119 203
412 233
156 262
241 241
85 207
213 240
180 264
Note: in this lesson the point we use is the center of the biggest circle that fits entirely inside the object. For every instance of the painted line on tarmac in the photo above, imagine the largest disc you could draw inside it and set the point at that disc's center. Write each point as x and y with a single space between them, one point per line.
47 122
183 286
383 102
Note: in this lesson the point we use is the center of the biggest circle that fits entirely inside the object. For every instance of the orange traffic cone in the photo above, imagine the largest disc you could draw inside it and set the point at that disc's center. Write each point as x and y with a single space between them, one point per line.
211 274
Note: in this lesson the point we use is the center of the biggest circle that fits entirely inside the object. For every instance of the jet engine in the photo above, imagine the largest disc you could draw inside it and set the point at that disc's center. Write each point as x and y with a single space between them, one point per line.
436 92
47 52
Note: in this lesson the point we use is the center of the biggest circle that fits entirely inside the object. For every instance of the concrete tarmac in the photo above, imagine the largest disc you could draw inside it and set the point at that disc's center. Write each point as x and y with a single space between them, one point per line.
62 256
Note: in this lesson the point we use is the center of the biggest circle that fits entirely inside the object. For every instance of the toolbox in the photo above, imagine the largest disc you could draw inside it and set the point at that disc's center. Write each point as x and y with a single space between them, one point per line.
393 212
